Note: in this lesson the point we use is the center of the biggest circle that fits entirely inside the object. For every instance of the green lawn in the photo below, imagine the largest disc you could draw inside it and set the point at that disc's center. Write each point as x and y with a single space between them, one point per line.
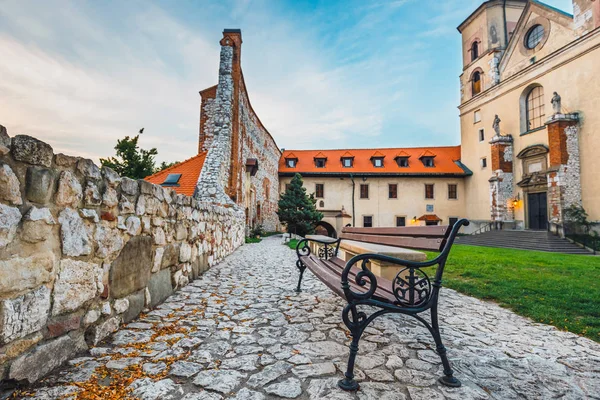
558 289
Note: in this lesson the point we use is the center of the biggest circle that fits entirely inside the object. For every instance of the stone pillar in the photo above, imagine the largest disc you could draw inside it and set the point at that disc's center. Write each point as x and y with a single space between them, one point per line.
206 134
501 182
213 185
564 181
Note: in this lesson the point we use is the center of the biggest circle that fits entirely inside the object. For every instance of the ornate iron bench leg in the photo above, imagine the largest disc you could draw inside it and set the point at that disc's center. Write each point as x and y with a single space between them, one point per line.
356 326
301 268
448 379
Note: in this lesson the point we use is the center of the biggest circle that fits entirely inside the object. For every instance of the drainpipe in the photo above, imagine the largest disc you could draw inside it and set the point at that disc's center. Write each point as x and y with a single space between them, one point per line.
353 189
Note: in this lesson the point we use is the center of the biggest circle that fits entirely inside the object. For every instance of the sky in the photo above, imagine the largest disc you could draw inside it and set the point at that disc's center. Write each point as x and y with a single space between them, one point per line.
320 73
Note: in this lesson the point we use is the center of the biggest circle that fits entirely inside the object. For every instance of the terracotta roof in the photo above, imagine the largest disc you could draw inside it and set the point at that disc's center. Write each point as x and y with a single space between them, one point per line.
429 217
378 154
320 155
190 171
347 155
446 161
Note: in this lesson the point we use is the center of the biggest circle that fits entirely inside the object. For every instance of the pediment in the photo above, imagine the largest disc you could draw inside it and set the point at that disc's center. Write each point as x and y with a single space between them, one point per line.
558 32
534 150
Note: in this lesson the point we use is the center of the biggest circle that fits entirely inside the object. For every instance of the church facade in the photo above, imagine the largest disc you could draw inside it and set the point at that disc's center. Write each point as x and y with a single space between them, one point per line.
530 126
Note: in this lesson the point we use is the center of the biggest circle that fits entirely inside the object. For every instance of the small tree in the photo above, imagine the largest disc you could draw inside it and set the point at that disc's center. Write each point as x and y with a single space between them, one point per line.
297 209
576 215
130 160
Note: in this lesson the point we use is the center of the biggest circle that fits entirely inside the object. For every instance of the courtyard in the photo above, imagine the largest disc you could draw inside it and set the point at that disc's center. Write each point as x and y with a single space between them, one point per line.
240 331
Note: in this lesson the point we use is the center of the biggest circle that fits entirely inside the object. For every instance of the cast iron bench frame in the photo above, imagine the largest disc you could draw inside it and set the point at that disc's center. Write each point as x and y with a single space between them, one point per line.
410 293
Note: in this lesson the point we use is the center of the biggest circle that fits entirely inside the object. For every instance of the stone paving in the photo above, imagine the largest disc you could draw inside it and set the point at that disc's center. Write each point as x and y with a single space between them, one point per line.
241 332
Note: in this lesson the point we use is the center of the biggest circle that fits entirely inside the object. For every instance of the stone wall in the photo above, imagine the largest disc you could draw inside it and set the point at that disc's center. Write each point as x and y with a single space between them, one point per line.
83 250
241 166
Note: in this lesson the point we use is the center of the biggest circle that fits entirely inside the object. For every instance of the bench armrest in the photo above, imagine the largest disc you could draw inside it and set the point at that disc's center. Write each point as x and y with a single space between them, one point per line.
330 248
411 286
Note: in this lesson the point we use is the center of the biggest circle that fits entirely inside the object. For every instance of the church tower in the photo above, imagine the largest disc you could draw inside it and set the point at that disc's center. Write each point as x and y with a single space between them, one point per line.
485 35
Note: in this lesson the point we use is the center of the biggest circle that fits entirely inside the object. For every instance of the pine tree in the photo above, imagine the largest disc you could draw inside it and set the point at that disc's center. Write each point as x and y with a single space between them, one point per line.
297 209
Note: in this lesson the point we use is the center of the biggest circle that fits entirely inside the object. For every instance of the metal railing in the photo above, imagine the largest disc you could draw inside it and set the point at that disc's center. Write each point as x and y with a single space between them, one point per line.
566 231
491 226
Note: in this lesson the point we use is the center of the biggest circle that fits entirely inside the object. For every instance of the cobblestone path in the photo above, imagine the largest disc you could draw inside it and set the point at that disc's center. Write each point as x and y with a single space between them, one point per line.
241 332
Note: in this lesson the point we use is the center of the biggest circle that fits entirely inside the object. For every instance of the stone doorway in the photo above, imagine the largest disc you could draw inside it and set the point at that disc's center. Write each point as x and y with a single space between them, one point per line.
537 211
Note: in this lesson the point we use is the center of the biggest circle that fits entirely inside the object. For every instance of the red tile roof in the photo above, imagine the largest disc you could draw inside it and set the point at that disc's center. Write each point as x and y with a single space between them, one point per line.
445 158
190 171
429 217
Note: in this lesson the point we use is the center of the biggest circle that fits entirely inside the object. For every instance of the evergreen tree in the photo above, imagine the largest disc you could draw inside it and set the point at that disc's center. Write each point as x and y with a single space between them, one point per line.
130 160
297 209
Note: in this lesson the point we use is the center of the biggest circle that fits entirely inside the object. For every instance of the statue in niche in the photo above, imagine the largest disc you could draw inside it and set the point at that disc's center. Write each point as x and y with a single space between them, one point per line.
496 125
556 103
493 34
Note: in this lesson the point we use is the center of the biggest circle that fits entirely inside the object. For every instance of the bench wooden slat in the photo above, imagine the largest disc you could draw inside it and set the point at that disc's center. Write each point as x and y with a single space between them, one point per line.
421 243
330 274
413 231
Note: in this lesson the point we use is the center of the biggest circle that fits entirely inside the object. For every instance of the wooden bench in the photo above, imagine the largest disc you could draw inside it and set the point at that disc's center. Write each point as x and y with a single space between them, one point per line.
412 291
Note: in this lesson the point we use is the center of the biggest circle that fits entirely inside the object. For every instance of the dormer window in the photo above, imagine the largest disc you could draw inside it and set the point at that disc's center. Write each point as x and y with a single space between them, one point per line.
427 161
320 160
377 159
291 162
402 159
402 162
347 162
427 158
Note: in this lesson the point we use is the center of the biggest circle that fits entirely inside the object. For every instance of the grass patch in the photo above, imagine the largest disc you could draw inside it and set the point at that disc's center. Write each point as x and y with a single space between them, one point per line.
252 240
292 244
557 289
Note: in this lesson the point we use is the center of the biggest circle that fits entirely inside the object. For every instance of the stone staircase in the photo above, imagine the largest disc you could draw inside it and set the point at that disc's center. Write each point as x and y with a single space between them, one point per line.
526 240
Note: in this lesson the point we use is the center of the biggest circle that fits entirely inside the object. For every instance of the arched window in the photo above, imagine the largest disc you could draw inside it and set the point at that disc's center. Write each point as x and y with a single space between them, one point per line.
476 83
534 107
474 51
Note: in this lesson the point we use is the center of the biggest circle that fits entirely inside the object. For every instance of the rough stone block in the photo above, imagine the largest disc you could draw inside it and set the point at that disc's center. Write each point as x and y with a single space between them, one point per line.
96 333
110 197
109 241
131 270
39 185
170 256
31 150
75 239
88 169
136 305
92 194
77 282
146 187
4 138
130 186
24 315
63 160
9 219
111 177
69 193
58 326
10 190
160 287
18 274
37 225
18 347
43 359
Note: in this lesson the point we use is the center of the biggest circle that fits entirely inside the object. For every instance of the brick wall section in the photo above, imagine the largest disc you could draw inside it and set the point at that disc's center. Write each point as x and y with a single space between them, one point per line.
499 160
83 250
502 180
237 135
557 143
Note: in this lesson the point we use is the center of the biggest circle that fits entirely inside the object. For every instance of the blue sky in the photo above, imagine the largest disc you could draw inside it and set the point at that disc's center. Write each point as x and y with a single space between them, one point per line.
321 74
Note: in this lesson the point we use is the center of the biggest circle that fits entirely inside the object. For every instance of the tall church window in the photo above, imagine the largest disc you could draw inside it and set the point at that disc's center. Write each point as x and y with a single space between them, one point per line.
476 83
535 108
474 51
